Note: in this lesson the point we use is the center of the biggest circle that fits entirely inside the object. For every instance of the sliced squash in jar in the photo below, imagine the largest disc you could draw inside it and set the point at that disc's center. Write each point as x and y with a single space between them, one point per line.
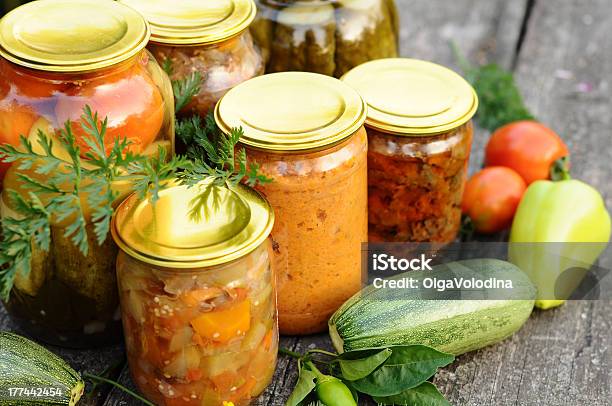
185 360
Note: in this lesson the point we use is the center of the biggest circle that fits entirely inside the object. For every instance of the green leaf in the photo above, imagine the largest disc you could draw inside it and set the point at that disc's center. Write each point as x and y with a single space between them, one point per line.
407 367
185 89
358 368
214 154
304 387
426 394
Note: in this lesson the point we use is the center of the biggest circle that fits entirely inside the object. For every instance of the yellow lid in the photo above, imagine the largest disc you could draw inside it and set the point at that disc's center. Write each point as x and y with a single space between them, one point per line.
291 111
191 22
412 97
195 227
72 35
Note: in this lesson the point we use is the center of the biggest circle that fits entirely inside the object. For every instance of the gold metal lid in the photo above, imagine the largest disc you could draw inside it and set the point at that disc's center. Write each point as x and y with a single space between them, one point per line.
195 227
72 35
292 111
413 97
191 22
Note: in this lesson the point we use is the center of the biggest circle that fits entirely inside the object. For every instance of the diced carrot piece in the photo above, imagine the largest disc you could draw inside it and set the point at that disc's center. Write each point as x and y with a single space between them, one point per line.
194 374
223 325
227 380
267 341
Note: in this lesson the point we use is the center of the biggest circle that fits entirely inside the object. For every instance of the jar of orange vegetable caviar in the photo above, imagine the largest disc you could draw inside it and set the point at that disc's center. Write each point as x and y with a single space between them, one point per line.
306 131
56 57
211 37
420 136
197 294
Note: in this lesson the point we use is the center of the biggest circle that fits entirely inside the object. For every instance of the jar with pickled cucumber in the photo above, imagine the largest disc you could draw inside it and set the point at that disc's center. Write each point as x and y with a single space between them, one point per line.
198 294
209 37
56 58
325 36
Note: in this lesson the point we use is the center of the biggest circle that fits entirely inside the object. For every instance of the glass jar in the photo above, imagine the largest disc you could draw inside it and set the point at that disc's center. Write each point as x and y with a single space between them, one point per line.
325 36
49 73
420 136
198 294
210 37
315 151
53 64
67 298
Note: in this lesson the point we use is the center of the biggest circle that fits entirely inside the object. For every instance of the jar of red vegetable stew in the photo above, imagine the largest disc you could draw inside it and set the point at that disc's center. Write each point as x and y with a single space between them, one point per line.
56 58
306 133
420 136
211 37
198 294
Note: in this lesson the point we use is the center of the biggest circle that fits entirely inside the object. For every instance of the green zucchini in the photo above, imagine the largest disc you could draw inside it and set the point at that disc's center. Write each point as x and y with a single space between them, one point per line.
32 375
451 321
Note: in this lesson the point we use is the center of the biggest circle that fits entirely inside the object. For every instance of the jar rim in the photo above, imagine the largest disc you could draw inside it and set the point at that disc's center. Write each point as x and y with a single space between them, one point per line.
175 232
192 23
72 36
301 111
411 97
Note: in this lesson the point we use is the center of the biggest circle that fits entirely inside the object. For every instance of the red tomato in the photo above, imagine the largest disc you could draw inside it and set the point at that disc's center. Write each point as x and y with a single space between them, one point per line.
15 120
33 85
129 99
491 197
528 147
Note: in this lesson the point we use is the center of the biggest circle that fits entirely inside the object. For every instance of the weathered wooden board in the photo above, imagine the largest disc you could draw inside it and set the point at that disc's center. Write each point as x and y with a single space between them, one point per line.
92 361
561 357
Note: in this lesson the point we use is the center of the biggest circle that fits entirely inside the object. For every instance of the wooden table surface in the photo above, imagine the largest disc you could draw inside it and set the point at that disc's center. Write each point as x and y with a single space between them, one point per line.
560 51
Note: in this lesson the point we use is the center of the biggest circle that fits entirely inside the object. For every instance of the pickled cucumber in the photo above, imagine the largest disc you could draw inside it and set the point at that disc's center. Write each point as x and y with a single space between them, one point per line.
41 269
91 275
304 39
364 31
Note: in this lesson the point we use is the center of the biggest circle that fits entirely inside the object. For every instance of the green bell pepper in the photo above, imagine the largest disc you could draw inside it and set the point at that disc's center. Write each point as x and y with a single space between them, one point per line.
568 213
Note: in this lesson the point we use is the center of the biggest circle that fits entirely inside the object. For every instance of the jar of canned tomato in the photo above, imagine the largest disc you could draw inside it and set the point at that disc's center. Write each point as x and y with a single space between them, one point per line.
420 136
211 37
198 294
306 132
56 58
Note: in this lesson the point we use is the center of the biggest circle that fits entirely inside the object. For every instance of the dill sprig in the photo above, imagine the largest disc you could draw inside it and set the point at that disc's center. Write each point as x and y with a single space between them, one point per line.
214 154
56 187
500 100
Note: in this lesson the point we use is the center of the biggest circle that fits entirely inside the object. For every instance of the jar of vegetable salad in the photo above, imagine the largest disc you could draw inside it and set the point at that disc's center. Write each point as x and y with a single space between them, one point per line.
211 37
198 294
56 57
420 136
325 36
307 134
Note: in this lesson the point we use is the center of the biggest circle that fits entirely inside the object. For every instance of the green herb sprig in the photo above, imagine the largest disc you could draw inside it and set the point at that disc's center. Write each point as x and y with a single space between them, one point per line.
185 89
500 100
56 188
215 155
396 375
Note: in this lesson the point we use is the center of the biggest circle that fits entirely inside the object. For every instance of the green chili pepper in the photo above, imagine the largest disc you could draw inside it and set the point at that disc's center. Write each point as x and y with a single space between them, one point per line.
331 390
568 213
